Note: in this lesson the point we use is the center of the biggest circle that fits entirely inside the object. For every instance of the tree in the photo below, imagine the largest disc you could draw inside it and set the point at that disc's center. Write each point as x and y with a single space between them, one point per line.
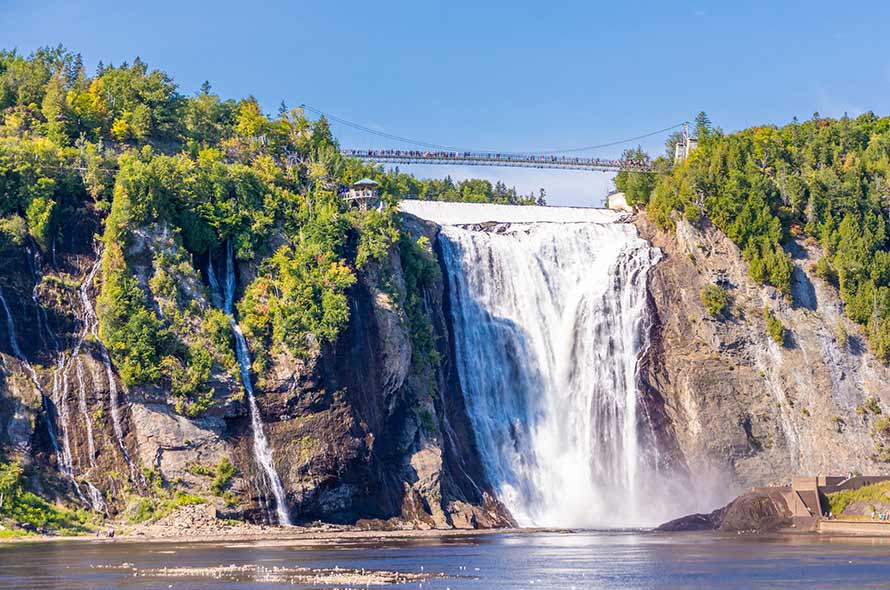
637 186
670 144
41 221
715 299
56 111
702 126
774 327
10 484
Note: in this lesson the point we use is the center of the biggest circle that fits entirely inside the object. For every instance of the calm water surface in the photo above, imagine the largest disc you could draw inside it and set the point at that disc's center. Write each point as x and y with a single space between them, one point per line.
580 561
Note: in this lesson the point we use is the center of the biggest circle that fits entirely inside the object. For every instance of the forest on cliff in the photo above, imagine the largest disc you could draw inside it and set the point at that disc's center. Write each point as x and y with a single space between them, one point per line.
166 182
825 181
127 142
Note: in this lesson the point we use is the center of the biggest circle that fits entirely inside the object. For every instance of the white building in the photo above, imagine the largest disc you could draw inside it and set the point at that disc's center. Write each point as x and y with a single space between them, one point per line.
618 202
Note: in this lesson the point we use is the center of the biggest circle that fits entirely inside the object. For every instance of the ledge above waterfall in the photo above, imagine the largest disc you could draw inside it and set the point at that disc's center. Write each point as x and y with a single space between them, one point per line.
445 213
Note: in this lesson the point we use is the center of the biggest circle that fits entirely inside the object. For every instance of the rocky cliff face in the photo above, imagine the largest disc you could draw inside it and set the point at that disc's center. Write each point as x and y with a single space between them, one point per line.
362 429
366 429
734 405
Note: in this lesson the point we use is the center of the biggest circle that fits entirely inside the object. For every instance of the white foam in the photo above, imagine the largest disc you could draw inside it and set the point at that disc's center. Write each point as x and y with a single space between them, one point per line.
445 213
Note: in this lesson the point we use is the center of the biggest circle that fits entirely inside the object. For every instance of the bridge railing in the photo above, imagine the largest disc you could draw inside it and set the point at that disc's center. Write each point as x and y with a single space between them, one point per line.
525 160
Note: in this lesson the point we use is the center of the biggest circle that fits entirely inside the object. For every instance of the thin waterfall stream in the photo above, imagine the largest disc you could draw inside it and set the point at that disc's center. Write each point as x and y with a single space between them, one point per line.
63 453
262 452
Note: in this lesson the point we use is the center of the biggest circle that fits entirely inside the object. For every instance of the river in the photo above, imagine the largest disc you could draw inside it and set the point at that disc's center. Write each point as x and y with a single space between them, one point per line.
557 561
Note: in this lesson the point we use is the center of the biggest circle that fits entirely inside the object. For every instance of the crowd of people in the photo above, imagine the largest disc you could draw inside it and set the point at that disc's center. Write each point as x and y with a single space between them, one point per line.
550 159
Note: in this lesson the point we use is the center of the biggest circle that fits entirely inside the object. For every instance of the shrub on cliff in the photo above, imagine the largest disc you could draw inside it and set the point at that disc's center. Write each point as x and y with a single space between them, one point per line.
421 271
774 327
715 299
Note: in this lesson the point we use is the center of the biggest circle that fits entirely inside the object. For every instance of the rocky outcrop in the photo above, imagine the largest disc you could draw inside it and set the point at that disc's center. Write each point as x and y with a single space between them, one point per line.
733 406
757 511
366 429
363 430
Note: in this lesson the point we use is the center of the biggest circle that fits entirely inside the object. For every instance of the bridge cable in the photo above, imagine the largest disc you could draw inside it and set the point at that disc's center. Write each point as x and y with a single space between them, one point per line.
386 135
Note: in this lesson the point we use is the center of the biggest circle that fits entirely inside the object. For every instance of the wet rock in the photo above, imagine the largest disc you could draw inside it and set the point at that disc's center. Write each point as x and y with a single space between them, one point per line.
752 512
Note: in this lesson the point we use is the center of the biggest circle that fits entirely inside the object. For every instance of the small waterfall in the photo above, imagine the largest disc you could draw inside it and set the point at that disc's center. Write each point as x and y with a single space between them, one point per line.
60 378
91 328
215 293
230 278
85 411
78 362
64 454
262 452
549 320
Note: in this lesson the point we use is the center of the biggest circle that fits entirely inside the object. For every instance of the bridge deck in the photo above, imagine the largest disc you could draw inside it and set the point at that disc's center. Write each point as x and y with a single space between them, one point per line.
488 159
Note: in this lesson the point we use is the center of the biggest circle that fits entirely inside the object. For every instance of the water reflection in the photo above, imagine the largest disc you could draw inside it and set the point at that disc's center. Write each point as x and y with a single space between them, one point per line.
559 561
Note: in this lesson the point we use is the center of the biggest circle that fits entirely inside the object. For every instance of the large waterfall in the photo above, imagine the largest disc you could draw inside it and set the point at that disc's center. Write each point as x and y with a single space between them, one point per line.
549 320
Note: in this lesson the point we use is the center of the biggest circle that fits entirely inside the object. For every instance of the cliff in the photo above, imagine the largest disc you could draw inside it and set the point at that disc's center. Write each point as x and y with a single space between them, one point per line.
371 427
362 428
733 404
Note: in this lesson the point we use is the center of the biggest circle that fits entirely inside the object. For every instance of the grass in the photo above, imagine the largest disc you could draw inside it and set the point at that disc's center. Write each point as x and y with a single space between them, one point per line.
838 501
225 471
154 508
28 508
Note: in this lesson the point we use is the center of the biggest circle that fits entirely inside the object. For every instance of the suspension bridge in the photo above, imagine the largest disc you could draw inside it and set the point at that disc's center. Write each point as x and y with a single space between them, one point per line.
456 158
430 153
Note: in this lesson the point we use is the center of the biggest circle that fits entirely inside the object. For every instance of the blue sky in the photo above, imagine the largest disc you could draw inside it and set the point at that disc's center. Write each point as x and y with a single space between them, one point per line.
509 76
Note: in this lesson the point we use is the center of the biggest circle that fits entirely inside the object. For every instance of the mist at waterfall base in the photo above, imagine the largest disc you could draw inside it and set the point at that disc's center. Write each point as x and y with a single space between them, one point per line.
549 322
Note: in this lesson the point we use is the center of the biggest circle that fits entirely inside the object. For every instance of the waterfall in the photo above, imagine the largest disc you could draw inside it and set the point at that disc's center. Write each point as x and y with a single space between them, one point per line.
60 379
262 452
63 453
91 328
549 320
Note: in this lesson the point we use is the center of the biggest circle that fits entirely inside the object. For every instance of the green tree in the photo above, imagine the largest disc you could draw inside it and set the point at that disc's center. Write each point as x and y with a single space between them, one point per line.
636 186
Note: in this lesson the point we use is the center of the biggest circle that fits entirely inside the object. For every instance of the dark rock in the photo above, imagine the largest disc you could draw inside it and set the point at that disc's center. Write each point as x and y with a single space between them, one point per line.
757 511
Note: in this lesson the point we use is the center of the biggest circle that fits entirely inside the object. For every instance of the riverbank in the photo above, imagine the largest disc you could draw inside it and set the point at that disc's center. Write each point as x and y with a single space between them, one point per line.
195 524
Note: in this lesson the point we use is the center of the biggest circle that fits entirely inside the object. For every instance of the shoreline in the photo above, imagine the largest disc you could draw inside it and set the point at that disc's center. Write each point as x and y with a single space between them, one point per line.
307 536
277 535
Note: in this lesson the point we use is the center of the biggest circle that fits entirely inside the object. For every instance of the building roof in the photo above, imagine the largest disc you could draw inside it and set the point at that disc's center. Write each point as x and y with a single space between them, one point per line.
366 182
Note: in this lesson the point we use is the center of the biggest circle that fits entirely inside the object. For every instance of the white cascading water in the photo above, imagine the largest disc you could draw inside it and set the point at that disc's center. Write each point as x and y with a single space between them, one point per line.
549 320
64 454
262 452
91 328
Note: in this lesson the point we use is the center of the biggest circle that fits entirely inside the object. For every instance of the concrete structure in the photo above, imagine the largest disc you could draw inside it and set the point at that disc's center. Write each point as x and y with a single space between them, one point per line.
363 193
685 146
873 528
805 496
618 202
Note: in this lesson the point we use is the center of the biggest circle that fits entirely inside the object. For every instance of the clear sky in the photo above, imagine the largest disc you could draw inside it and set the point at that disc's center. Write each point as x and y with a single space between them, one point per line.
509 76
